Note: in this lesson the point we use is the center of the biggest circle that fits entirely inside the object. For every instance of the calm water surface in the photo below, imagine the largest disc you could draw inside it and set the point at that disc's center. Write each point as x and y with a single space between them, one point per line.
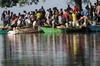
72 49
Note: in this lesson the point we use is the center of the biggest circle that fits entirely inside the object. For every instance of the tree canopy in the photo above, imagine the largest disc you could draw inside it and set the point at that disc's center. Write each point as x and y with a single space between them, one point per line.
78 3
11 3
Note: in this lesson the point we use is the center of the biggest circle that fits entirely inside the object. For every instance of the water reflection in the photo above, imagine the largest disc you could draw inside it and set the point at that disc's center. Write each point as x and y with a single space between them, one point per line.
73 49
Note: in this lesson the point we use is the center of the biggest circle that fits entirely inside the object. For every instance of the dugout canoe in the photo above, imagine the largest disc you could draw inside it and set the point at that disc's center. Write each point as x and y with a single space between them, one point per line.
24 31
62 30
4 31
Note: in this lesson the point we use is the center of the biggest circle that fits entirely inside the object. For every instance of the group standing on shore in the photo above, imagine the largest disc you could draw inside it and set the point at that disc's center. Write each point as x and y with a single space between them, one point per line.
53 17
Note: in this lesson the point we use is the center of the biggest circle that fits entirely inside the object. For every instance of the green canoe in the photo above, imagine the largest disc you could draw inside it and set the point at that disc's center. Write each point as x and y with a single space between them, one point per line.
64 30
4 31
54 30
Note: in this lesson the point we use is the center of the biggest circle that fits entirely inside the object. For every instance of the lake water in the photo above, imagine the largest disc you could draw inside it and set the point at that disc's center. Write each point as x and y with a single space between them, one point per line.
70 49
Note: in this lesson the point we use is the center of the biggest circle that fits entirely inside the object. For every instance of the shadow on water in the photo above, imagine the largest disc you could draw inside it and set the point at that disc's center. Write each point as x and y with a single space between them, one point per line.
72 49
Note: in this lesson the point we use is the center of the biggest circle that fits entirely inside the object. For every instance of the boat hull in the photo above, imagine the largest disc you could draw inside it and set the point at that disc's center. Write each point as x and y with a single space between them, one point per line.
64 30
4 31
83 29
94 28
46 29
24 31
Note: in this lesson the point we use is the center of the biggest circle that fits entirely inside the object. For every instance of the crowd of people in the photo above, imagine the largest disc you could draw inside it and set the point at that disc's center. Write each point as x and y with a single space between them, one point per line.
53 17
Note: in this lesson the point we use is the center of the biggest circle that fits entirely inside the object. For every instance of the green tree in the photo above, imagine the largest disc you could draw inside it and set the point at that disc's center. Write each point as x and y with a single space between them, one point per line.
11 3
8 3
79 3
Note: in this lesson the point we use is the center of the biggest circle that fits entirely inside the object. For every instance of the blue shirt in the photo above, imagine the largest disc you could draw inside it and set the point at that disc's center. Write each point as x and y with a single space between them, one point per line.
85 12
7 18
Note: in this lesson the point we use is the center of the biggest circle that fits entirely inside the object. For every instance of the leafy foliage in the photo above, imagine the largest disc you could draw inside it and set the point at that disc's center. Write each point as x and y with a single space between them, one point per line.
8 3
73 1
11 3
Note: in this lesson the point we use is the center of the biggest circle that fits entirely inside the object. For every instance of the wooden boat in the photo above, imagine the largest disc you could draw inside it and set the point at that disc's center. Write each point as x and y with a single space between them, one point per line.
83 29
24 31
48 29
4 30
94 28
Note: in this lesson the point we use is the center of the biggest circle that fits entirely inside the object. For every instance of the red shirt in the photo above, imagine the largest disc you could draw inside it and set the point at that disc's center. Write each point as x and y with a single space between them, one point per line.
14 17
76 9
66 16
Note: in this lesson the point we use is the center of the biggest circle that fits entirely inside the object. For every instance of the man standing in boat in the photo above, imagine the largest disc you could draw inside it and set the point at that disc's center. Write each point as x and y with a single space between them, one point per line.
98 13
66 16
3 18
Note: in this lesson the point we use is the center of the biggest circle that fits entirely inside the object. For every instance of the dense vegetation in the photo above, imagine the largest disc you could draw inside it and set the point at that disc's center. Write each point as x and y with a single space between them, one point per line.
11 3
